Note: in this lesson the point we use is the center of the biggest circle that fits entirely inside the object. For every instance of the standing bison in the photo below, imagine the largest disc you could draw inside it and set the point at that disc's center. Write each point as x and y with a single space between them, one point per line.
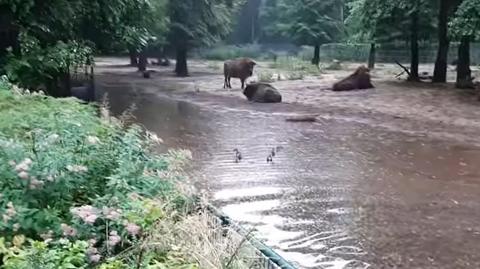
359 80
239 68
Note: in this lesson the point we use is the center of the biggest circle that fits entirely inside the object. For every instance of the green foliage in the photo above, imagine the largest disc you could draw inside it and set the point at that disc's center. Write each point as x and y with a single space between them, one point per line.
142 22
108 24
160 23
466 21
200 22
68 174
307 22
386 21
61 254
137 37
357 26
39 66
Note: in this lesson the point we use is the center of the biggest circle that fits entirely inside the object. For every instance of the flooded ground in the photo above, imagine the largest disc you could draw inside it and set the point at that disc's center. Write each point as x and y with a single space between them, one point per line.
386 178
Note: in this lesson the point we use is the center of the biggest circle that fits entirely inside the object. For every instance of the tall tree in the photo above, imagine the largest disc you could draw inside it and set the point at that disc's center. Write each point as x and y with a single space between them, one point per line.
247 28
269 18
465 27
159 28
138 19
198 22
308 22
103 22
440 71
361 29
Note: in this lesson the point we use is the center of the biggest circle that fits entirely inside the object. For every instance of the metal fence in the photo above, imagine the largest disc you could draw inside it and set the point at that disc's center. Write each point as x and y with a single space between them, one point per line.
249 251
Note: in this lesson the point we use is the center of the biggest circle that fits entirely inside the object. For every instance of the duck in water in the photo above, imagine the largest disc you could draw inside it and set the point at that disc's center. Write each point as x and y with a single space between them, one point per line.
238 155
273 152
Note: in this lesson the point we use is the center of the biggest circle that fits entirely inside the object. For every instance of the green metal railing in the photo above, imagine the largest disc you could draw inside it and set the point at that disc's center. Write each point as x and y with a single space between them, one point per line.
268 258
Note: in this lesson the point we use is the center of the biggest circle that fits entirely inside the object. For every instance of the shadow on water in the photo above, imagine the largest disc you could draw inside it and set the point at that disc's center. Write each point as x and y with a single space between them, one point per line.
337 195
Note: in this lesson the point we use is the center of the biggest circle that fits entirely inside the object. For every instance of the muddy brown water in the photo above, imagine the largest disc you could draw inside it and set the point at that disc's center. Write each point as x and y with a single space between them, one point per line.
339 194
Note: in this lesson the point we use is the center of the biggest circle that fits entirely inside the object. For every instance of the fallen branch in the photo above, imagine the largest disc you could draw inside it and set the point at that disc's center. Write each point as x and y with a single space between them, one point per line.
406 70
304 118
399 74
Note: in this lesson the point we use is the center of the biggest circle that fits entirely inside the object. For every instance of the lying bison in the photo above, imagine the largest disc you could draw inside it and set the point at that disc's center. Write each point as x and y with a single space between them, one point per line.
239 68
262 93
360 80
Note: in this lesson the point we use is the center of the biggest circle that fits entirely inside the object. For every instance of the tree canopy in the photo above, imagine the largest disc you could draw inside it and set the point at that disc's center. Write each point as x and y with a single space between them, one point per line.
308 22
466 21
198 22
35 30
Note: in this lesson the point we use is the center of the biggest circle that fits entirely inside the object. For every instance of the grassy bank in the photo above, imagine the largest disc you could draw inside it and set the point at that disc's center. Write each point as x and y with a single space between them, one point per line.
80 190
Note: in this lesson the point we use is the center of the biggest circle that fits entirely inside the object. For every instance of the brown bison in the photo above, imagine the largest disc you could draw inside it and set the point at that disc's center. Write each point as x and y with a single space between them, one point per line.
239 68
360 80
262 93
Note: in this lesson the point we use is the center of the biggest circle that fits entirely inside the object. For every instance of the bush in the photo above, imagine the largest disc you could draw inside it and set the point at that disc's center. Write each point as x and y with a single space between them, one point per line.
77 187
47 67
34 254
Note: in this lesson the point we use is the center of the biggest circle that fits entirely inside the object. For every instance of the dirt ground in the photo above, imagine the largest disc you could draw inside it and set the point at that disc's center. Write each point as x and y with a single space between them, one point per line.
437 110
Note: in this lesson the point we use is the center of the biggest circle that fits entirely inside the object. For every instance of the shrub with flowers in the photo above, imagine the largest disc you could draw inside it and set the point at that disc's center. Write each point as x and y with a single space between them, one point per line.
77 190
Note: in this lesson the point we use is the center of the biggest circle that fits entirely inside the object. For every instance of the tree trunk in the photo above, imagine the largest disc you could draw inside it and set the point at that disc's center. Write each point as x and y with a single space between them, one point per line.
181 68
464 74
316 56
142 61
440 72
160 55
132 53
414 47
371 56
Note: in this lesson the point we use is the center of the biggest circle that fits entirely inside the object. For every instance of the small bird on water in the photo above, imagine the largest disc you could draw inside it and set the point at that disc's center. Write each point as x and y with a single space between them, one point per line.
270 159
238 155
273 152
